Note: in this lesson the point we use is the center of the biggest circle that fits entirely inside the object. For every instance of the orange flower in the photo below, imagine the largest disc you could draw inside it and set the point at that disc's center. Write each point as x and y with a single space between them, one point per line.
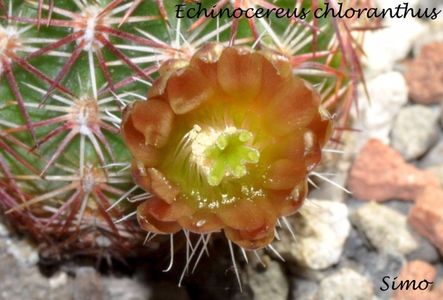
225 142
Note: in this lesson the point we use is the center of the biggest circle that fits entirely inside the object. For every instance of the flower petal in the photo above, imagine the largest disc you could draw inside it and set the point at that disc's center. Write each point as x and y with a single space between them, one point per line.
153 118
294 107
289 201
285 174
140 175
276 74
251 240
135 141
162 187
240 73
149 223
322 126
165 212
290 146
312 150
244 215
209 53
205 59
158 88
201 222
187 89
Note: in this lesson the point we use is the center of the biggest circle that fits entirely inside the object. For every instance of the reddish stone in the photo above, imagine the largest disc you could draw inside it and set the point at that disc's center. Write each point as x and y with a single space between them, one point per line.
424 75
427 215
437 293
418 271
379 173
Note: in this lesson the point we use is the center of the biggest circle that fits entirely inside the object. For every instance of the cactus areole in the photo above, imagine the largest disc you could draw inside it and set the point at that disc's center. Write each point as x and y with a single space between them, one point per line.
225 142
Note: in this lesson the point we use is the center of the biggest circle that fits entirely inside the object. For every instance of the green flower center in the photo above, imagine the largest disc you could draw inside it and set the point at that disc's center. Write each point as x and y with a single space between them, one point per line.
225 153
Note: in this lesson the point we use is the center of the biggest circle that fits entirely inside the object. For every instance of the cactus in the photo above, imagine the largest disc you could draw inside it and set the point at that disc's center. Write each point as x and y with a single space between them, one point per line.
77 186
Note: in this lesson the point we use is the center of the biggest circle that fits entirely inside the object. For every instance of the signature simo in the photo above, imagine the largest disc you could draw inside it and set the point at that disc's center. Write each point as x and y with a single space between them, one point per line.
404 284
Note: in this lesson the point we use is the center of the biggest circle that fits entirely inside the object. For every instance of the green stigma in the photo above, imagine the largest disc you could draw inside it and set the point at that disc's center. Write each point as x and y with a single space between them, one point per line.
228 155
221 153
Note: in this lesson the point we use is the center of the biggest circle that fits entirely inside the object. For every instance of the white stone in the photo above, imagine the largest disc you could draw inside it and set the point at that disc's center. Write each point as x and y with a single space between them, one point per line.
384 47
432 35
388 92
385 228
59 280
269 284
346 284
321 229
23 252
434 158
127 289
3 230
415 130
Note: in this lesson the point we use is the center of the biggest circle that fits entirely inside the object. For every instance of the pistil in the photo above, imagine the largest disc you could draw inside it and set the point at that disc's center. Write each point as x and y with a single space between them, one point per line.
221 154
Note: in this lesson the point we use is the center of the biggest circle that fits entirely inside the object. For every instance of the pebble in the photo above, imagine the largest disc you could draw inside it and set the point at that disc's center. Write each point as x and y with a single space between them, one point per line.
377 265
400 206
426 251
320 229
387 93
434 157
3 231
339 163
418 271
126 289
430 4
362 257
58 280
384 47
346 284
426 215
437 293
380 173
438 172
424 75
357 246
415 130
270 283
385 228
20 279
303 289
25 253
88 284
